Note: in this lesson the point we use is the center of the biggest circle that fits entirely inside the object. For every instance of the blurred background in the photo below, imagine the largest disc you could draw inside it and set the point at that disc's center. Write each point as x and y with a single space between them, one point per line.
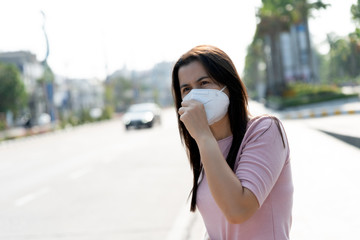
89 147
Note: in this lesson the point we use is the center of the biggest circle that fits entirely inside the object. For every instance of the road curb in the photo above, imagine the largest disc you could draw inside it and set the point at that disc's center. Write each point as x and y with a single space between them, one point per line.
301 114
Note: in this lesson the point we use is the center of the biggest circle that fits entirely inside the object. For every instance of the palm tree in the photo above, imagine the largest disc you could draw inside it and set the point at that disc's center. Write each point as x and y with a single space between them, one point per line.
355 12
277 16
301 15
273 21
355 40
345 52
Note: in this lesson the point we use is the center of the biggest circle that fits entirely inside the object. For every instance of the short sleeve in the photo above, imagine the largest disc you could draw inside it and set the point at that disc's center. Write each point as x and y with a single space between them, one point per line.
261 158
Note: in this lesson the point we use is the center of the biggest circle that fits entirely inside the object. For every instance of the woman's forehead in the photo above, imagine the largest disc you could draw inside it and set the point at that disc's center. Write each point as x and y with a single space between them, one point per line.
191 72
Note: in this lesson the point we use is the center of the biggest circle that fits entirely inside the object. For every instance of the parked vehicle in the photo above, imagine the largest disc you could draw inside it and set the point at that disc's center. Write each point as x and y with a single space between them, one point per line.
142 115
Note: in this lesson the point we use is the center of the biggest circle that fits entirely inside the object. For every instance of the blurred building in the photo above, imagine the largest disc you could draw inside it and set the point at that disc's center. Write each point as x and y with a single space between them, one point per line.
31 70
152 85
161 80
73 96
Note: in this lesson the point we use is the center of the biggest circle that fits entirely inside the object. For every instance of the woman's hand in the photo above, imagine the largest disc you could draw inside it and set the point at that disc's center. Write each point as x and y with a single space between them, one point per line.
192 114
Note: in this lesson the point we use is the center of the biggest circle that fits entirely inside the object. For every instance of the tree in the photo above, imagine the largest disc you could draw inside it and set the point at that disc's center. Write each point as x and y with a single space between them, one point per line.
13 96
354 61
344 57
274 19
277 16
355 40
118 93
344 52
302 12
339 57
254 68
355 12
48 75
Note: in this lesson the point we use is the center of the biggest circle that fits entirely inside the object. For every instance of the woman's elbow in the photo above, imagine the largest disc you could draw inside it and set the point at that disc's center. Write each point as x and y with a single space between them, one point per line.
237 218
240 216
242 209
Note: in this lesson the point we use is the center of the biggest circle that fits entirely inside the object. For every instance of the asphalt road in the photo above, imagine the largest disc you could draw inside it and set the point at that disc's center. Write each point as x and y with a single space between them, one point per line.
99 181
94 182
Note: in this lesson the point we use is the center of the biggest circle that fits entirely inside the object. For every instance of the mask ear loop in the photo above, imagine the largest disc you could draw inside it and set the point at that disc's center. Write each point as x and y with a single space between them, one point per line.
222 89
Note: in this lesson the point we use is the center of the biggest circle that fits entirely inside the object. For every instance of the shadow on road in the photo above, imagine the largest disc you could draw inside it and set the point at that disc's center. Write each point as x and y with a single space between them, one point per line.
354 141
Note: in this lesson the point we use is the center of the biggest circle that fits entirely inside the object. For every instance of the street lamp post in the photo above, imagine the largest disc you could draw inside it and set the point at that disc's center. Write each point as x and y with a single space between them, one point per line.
49 86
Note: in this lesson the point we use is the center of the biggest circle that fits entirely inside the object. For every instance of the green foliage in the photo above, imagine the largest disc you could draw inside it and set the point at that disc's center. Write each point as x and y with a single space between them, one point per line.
275 18
118 93
48 75
341 66
344 56
279 15
303 89
355 12
12 91
108 112
83 117
323 67
301 94
2 125
254 66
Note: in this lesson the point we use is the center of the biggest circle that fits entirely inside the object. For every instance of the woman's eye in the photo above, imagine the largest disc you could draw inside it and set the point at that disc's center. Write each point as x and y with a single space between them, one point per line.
185 90
204 83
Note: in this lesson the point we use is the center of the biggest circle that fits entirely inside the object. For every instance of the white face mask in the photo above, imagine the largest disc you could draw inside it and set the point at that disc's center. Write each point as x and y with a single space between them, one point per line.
216 102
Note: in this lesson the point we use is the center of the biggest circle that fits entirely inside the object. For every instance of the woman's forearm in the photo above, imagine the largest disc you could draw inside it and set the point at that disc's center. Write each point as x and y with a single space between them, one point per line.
236 202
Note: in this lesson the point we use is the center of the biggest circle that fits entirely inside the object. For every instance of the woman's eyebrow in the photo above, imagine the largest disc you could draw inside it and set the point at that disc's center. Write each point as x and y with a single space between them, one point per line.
200 78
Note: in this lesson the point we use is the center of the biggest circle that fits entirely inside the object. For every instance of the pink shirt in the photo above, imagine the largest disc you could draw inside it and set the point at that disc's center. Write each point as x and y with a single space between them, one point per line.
262 166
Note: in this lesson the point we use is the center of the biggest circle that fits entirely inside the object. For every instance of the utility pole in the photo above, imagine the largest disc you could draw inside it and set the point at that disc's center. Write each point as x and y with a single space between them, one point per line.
48 83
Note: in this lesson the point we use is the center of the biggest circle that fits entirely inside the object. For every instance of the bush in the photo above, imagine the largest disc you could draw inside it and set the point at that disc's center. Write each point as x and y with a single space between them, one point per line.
302 94
83 117
2 125
107 113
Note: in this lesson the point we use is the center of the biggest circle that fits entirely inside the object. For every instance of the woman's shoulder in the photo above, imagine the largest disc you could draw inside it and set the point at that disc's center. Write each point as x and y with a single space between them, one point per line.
259 125
262 121
262 130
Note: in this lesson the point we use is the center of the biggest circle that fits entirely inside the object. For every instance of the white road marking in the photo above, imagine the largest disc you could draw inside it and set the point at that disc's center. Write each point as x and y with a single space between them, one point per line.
79 173
30 197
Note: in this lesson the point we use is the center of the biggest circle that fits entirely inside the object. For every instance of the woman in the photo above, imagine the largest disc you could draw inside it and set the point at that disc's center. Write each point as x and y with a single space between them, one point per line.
242 181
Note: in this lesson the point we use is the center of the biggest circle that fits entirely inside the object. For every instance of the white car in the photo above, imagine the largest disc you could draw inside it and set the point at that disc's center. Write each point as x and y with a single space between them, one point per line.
142 115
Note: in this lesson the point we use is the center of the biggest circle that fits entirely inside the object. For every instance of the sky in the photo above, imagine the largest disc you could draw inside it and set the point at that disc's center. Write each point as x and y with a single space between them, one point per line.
97 37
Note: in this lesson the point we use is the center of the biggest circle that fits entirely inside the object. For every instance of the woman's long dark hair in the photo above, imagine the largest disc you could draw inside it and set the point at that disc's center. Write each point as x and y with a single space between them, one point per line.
219 67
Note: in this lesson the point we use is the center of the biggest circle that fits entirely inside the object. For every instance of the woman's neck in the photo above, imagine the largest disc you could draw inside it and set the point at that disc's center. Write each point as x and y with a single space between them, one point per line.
221 129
